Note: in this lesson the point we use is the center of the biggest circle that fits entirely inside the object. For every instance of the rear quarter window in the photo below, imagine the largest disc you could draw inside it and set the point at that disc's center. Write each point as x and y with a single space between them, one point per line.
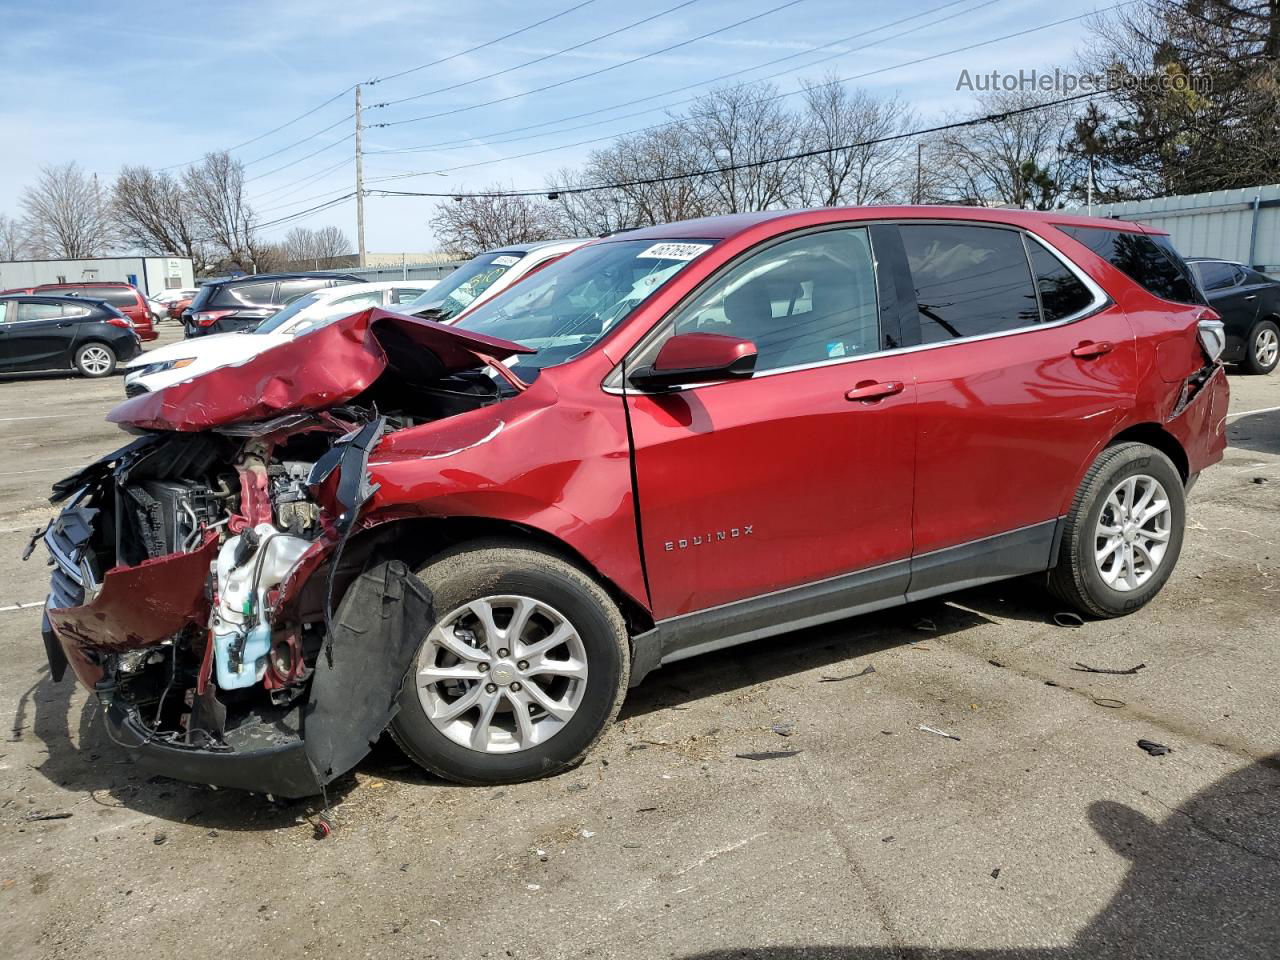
251 294
1150 262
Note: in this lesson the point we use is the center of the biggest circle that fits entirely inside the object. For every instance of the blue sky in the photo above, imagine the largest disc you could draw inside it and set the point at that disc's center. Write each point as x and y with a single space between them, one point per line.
161 83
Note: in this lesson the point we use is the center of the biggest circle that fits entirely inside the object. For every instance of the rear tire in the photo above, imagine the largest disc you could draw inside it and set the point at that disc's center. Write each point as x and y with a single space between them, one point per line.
1262 351
95 360
1123 533
534 712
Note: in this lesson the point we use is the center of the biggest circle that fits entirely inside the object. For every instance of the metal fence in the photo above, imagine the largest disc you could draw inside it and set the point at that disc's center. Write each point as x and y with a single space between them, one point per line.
1241 225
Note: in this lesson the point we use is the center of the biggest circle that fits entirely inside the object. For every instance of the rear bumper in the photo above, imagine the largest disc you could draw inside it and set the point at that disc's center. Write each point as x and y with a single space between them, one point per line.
1201 427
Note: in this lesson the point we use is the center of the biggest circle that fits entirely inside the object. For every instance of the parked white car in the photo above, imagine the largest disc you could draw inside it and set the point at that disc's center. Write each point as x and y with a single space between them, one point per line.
181 361
484 277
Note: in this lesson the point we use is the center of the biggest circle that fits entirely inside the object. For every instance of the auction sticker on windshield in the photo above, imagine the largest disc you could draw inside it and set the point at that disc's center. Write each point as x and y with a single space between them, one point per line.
504 261
674 251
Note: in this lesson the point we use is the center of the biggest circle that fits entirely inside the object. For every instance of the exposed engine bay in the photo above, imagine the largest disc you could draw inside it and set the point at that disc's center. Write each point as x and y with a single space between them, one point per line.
193 587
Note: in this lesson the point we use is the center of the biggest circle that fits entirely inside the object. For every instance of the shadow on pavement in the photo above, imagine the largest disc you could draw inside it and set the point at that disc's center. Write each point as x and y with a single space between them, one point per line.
1203 882
1259 432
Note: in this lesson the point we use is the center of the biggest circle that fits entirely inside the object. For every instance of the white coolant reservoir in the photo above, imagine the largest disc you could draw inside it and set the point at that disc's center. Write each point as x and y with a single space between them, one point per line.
241 634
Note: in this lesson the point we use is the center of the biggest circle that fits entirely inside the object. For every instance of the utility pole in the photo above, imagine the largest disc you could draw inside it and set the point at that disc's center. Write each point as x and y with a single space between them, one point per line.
359 183
919 170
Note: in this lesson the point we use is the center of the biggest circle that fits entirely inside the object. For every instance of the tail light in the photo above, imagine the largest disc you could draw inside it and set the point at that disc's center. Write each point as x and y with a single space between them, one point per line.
120 322
207 318
1212 333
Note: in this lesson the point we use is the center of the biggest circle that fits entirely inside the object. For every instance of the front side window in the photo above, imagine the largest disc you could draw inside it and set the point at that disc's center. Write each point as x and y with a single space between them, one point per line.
969 280
4 310
291 290
802 301
283 317
325 313
564 308
1150 264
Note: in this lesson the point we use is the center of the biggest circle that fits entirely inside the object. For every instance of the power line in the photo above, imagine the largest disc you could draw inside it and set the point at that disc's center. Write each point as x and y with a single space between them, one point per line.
346 90
541 59
291 163
746 165
489 43
483 139
297 187
593 73
298 143
780 96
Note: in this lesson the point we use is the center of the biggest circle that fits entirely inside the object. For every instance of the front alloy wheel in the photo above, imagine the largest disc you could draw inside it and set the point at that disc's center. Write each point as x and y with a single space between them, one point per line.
522 672
501 674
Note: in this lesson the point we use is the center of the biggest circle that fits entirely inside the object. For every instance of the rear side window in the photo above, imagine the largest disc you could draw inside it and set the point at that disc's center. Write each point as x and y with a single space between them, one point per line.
1215 275
39 311
116 296
1158 271
1061 292
251 294
969 280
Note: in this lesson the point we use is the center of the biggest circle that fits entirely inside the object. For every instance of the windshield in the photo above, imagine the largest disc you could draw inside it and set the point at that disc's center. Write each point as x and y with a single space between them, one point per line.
278 320
459 289
566 307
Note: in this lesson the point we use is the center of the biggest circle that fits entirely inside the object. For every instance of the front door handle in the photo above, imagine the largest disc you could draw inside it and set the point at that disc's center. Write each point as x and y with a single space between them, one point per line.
1088 349
870 391
1252 296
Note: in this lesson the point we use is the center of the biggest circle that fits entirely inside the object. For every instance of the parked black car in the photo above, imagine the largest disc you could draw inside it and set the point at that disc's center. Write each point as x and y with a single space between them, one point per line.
61 333
1250 306
228 306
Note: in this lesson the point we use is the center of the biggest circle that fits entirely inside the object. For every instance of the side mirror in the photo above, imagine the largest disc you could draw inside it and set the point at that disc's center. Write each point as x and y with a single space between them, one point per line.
690 358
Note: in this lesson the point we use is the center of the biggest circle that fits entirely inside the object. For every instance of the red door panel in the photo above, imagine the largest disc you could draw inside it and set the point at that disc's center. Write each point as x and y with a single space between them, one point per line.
1005 424
753 486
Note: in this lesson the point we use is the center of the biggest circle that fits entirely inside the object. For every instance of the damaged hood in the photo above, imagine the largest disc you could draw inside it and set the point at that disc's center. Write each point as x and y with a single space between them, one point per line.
323 369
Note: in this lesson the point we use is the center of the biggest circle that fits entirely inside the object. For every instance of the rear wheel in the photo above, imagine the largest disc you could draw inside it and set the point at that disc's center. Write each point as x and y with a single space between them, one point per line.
1262 353
522 671
1123 532
95 360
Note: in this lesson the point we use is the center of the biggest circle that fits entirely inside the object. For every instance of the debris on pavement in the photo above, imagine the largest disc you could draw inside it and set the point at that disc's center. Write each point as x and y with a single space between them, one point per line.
785 728
995 874
158 839
35 817
1085 668
888 839
864 672
1261 480
941 733
1066 618
996 663
767 755
323 825
926 625
1153 748
1109 702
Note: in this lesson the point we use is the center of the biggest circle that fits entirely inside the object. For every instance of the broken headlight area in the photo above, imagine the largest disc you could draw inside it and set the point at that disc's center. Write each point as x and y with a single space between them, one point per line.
170 560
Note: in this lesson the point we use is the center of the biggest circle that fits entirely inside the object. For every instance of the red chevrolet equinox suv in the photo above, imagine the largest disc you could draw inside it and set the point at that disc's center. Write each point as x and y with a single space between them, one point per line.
673 440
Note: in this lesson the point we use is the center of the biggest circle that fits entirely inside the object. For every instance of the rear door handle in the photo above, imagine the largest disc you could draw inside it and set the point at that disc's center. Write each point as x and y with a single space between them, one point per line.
1252 296
1089 349
869 391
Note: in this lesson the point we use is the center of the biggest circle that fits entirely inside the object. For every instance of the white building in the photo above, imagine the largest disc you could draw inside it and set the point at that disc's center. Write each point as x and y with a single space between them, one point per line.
150 275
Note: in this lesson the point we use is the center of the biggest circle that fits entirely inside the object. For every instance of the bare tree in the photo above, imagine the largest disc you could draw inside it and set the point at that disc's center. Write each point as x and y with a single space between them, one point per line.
471 224
1021 160
153 212
215 190
873 172
744 126
66 216
303 245
13 239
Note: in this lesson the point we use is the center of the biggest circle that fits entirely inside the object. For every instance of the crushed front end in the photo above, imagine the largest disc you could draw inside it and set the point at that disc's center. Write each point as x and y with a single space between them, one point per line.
195 587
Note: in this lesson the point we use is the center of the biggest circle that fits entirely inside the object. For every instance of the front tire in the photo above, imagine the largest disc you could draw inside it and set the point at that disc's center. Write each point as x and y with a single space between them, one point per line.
1123 533
525 666
1262 352
95 360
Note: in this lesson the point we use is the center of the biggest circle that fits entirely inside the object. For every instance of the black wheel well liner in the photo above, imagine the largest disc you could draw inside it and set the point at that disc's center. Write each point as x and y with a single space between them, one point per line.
1154 435
415 540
